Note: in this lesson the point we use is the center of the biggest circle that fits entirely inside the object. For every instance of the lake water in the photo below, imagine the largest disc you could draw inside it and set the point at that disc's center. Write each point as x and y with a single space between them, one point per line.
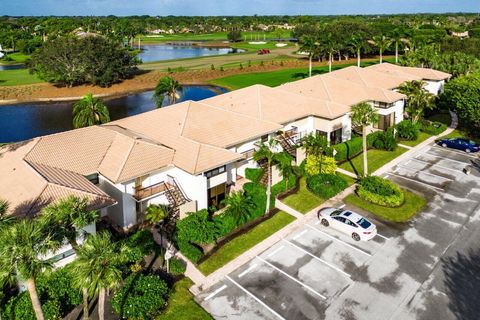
24 121
11 66
162 52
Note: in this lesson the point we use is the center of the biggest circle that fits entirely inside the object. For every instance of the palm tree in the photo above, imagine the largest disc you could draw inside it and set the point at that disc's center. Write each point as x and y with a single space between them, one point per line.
21 244
167 87
329 45
418 99
283 162
364 114
398 37
97 268
89 111
382 43
357 43
157 212
266 152
239 206
67 217
5 221
309 44
317 145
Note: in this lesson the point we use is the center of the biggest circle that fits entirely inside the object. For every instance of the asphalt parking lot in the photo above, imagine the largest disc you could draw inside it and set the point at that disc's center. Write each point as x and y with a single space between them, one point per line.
319 273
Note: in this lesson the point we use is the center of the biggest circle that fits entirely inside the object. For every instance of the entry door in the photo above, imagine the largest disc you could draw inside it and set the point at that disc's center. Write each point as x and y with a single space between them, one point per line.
216 195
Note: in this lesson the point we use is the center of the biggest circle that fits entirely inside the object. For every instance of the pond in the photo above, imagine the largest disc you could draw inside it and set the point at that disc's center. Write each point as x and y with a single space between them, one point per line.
24 121
12 66
162 52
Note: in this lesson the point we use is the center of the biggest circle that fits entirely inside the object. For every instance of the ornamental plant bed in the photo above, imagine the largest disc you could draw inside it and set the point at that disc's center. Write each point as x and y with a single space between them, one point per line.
380 191
412 205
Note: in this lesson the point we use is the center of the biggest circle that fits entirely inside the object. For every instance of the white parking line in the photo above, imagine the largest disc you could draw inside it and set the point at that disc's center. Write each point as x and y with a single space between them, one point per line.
215 292
378 234
446 158
342 206
436 165
420 182
300 234
457 152
253 266
276 251
424 172
319 259
255 298
341 241
296 280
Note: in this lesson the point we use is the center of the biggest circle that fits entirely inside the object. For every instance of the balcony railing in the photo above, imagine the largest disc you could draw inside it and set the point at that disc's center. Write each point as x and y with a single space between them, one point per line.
145 192
249 154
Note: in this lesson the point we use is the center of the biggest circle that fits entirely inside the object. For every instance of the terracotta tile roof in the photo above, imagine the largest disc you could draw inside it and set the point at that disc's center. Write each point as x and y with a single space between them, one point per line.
410 72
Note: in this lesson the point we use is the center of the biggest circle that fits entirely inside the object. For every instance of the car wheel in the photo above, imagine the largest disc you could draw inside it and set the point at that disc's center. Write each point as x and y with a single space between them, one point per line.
325 222
355 236
444 145
467 150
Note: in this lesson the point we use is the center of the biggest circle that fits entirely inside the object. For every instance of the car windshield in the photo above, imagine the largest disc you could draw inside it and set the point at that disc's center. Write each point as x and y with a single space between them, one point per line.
364 223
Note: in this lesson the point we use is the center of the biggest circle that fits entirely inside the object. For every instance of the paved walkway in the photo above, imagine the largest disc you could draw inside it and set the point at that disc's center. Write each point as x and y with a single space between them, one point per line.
203 283
282 206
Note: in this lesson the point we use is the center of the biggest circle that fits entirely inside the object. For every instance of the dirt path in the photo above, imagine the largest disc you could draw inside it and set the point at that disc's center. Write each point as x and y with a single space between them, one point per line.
142 82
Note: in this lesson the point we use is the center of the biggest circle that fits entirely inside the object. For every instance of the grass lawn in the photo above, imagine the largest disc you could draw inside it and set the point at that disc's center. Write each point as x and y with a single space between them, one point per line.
412 205
17 57
17 77
214 36
443 117
304 201
242 243
275 78
376 159
181 305
422 136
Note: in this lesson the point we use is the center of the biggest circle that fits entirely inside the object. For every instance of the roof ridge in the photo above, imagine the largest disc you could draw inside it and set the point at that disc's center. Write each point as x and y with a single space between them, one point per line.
326 89
185 117
361 77
260 106
129 153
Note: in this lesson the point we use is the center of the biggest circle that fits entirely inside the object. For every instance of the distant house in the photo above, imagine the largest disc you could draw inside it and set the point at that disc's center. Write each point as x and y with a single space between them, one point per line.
1 52
461 35
191 155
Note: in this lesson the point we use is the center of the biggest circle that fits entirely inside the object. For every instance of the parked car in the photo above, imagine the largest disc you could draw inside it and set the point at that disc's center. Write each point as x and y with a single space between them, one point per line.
466 145
263 51
348 222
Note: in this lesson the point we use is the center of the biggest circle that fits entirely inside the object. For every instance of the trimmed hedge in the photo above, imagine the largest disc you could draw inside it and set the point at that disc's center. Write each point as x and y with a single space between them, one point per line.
348 149
254 174
177 266
380 191
138 245
326 185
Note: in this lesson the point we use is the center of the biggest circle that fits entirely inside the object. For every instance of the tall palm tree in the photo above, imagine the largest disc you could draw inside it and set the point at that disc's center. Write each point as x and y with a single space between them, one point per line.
266 152
21 244
309 44
4 219
167 87
397 37
418 99
239 206
89 111
357 43
97 268
329 45
382 43
283 162
364 115
67 217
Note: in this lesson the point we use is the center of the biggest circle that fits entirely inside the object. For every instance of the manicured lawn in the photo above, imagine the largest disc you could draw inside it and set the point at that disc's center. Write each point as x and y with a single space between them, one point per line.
275 78
376 159
422 136
17 77
304 201
181 305
412 205
459 133
242 243
214 36
16 57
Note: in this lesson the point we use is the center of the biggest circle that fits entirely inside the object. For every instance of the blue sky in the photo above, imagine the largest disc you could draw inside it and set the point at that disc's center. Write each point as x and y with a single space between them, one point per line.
231 7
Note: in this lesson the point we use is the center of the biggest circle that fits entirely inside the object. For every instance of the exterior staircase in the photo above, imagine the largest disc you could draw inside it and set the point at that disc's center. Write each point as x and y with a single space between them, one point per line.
287 144
175 196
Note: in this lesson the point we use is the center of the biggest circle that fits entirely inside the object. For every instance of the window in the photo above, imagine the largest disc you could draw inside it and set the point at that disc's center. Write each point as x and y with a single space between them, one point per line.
350 223
93 178
341 219
385 121
216 195
336 212
264 138
364 223
215 172
336 136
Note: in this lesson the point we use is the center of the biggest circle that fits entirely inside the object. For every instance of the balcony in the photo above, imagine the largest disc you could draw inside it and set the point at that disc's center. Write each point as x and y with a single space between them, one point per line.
146 192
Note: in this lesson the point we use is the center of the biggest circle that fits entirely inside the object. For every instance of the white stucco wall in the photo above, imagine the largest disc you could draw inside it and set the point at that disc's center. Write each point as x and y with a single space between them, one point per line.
434 87
397 108
330 125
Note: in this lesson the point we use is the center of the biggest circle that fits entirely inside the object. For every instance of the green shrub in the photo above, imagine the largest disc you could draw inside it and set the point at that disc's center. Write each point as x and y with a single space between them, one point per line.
225 223
258 194
382 140
315 165
176 266
20 308
432 127
279 188
348 149
141 297
326 185
406 130
190 250
380 191
197 228
254 174
138 245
